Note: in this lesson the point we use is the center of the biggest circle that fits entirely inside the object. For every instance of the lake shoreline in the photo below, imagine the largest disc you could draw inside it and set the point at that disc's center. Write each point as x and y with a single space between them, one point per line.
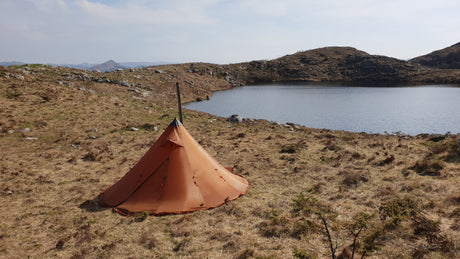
411 110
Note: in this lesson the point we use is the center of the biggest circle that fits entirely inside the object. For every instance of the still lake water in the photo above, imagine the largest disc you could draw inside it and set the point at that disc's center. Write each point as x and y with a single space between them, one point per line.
384 109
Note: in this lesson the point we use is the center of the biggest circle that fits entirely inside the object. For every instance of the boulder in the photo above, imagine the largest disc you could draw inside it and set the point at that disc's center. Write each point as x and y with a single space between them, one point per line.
235 118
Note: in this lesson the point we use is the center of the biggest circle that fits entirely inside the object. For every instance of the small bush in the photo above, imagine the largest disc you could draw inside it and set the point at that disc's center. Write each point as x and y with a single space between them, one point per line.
429 229
307 205
301 254
142 216
428 167
289 148
276 226
455 213
304 204
247 253
90 156
353 179
181 245
148 240
12 94
373 239
398 210
303 228
386 161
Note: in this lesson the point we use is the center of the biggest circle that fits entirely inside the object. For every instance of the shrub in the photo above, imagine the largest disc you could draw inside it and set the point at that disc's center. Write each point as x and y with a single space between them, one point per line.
301 254
247 253
430 230
181 245
276 226
386 161
148 240
303 227
289 148
398 210
142 216
353 179
428 167
305 204
12 93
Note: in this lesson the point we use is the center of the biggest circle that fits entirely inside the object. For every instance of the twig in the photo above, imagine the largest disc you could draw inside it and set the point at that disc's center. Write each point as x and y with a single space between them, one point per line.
328 236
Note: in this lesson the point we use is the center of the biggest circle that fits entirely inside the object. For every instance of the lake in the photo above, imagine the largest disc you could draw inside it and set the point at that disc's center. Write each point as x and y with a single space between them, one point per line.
384 109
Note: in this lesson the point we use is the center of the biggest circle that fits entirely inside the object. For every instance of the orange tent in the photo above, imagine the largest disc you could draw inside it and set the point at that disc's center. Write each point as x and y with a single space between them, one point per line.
176 175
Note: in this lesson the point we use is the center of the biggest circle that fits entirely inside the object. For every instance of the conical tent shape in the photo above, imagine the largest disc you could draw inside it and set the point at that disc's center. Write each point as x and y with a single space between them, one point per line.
176 175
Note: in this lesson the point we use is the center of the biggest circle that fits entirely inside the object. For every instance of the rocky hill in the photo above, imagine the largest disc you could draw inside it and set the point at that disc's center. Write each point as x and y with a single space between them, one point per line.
338 64
447 58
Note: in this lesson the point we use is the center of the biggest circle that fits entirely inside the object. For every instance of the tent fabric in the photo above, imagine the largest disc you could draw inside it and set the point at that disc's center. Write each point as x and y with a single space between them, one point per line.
175 176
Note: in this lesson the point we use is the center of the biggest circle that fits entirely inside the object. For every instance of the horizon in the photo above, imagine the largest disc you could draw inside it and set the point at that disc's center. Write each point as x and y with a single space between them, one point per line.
172 62
218 31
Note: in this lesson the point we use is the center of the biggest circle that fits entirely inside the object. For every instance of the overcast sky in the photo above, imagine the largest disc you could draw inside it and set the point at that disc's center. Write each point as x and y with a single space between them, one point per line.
219 31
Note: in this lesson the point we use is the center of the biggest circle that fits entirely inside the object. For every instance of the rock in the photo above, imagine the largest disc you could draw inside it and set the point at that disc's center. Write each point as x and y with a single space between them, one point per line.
31 138
158 71
125 84
9 192
437 138
134 90
235 118
133 129
11 131
25 130
102 80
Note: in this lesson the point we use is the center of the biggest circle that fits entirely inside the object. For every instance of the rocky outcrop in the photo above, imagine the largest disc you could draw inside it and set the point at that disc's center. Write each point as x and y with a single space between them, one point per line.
447 58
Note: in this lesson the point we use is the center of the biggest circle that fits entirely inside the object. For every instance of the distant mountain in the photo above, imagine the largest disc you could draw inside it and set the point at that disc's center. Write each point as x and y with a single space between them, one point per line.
11 63
112 65
144 64
85 66
447 58
107 66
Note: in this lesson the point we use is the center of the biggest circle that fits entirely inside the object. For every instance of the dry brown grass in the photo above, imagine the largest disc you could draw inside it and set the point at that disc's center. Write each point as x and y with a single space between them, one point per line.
49 185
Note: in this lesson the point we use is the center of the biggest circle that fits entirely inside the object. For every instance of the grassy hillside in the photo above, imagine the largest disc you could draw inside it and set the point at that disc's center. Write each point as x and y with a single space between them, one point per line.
66 135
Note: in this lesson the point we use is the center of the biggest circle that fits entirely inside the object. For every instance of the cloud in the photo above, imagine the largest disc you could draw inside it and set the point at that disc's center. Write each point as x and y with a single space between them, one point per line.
221 30
175 13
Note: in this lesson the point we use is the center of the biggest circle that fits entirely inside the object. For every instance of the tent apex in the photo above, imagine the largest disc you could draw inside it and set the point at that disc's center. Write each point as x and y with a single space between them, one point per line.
175 123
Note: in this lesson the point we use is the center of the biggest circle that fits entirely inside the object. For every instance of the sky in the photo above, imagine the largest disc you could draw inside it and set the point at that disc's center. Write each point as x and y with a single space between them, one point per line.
219 31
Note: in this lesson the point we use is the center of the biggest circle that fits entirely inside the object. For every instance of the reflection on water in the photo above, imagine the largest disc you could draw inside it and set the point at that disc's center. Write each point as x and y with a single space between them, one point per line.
409 110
